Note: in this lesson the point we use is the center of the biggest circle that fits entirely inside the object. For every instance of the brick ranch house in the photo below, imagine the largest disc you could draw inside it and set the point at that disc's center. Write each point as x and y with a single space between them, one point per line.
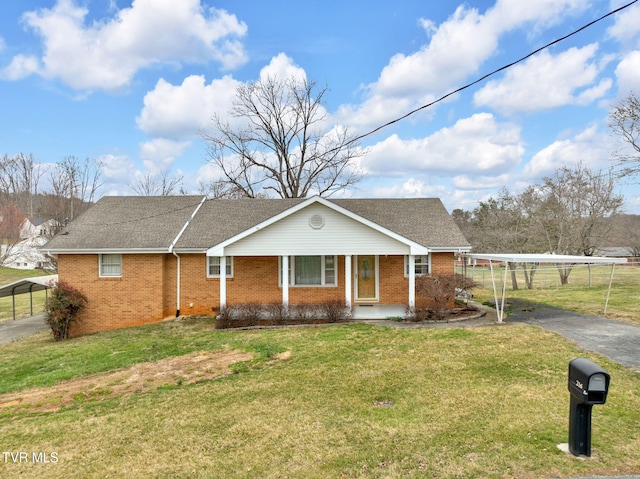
140 260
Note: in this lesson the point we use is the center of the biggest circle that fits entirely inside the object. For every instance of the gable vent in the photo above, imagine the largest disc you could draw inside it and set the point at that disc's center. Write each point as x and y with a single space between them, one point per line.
316 222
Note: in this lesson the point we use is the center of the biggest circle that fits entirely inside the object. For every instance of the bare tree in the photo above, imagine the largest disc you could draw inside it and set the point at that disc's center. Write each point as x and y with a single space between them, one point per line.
162 184
19 179
216 189
74 187
624 121
279 142
500 224
12 220
573 210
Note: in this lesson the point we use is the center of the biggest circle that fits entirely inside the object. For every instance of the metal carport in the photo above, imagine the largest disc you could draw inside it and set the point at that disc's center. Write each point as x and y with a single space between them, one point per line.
27 285
507 258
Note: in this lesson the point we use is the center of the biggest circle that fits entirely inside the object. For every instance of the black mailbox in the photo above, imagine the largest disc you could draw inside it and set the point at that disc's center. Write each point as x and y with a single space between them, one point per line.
588 382
588 385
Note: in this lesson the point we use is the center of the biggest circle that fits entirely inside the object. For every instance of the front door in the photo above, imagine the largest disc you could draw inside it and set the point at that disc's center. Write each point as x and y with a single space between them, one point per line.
366 278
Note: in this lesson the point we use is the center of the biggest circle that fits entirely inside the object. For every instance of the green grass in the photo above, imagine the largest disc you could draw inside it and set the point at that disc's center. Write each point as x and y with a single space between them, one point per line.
579 295
350 401
23 302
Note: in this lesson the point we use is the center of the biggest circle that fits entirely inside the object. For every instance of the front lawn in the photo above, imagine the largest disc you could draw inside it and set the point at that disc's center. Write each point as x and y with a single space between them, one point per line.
314 402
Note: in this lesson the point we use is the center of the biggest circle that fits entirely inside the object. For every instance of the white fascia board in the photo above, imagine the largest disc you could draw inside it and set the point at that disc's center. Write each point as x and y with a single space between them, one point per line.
547 258
415 248
450 249
104 251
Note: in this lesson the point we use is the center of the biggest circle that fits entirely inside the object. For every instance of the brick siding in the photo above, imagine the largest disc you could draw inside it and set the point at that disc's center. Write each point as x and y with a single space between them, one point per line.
146 292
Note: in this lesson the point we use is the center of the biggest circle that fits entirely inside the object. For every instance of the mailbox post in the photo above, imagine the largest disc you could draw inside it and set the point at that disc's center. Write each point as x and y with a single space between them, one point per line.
588 385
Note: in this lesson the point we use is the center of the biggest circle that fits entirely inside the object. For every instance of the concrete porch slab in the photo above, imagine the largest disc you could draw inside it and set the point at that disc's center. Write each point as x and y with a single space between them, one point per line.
378 311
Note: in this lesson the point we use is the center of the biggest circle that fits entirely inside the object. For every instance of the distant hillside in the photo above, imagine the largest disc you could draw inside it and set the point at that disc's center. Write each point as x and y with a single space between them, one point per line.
625 231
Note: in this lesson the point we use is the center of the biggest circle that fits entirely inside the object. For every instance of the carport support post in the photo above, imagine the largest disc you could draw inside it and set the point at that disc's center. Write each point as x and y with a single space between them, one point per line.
606 301
499 307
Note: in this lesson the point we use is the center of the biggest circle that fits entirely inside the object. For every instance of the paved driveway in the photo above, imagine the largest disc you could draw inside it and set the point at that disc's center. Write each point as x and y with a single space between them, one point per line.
12 330
617 340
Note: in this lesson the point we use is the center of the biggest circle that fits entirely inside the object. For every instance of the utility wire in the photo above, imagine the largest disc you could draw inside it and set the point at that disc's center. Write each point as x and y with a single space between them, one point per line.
412 112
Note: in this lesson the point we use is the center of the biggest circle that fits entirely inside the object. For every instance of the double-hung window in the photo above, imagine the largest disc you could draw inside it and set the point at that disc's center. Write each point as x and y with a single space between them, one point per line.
312 271
422 265
213 266
110 265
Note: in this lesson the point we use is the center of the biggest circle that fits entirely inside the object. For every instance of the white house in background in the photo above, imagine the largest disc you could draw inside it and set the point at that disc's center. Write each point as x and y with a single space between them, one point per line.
25 254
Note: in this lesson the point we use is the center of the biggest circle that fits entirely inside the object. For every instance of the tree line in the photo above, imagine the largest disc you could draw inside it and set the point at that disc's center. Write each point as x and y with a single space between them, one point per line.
575 211
59 192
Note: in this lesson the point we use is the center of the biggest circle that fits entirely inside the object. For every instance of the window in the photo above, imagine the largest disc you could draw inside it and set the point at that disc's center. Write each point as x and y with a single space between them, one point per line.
311 271
111 265
422 265
213 266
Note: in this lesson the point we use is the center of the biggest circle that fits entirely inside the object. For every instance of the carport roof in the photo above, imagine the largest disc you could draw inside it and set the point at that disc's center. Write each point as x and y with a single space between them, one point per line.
540 258
546 258
27 285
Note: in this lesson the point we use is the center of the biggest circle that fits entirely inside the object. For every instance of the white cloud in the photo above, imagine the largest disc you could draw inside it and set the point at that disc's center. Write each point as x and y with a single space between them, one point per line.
628 73
282 67
180 111
107 54
480 182
546 81
116 168
21 66
159 154
625 29
411 188
590 146
474 144
456 49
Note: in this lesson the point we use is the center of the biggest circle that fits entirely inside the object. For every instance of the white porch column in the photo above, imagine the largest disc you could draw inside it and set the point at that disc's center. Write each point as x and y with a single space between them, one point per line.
347 280
285 281
223 282
412 281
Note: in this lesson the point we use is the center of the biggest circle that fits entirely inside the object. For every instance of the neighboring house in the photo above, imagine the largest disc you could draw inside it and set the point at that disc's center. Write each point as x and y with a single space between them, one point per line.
142 259
26 253
618 252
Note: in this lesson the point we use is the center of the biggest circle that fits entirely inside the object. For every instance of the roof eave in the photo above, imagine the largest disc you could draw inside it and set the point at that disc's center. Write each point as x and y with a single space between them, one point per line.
60 251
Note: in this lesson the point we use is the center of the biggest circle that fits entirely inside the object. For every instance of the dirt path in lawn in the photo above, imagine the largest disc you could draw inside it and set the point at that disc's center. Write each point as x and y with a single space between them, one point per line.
142 377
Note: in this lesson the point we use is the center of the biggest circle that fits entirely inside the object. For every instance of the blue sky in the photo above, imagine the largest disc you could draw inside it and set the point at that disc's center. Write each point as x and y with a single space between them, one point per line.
132 83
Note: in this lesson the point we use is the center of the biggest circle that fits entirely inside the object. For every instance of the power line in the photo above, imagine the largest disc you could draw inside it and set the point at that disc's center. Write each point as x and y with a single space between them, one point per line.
468 85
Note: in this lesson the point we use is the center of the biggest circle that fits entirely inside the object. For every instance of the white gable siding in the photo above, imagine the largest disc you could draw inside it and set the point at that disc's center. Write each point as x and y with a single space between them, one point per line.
293 235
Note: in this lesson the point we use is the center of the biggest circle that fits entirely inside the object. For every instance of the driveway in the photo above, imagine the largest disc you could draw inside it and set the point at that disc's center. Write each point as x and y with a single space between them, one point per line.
12 330
616 340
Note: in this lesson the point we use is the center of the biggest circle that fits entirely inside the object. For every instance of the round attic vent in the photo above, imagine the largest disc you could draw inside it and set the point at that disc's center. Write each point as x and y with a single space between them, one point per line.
316 222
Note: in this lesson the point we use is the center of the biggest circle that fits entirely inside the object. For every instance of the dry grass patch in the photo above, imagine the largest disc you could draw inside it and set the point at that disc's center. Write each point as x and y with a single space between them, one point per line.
143 377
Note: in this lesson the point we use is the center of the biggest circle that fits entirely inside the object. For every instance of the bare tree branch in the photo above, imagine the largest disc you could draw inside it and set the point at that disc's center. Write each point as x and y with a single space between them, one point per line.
624 121
279 143
163 184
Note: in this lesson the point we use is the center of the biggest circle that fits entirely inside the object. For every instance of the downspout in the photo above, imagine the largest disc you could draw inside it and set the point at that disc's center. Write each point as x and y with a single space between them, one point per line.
171 250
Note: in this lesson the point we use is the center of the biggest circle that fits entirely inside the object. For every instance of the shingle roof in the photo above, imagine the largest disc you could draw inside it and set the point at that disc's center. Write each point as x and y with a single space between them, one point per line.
422 220
219 220
154 222
127 222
